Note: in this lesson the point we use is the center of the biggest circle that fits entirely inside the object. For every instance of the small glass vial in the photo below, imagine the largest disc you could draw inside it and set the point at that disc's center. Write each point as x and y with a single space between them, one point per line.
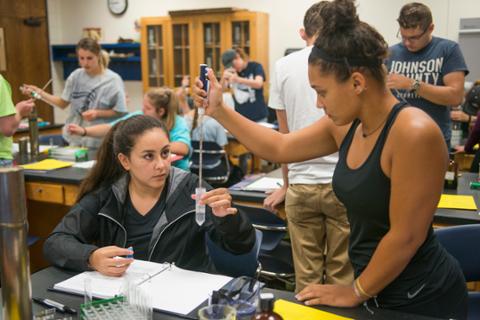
266 312
199 208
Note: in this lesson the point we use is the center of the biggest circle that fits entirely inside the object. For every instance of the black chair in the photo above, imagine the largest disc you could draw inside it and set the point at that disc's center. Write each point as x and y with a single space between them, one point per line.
235 265
31 240
290 50
275 253
52 139
216 168
462 242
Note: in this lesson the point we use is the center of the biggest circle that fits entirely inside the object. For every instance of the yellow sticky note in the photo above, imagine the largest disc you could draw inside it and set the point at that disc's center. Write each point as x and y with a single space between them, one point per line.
294 311
47 164
452 201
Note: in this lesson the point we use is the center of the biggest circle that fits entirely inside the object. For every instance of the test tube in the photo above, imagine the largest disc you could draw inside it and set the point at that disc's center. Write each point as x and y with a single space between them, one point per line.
36 95
199 208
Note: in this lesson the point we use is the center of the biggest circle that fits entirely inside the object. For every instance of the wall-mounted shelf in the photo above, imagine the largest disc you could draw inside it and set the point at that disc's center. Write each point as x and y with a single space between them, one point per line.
125 61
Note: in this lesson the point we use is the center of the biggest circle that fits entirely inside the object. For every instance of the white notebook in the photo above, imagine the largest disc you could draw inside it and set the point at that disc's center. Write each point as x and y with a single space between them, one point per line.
264 184
85 164
170 288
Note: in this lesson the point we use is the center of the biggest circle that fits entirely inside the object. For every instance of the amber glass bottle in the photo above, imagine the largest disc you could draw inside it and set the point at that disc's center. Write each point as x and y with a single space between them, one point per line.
451 176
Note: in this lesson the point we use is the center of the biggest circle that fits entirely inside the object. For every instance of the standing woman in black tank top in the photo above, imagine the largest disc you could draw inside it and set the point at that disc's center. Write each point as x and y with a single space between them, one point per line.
390 173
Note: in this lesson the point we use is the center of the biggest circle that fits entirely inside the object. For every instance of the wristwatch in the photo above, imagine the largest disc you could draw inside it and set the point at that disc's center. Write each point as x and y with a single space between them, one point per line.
415 86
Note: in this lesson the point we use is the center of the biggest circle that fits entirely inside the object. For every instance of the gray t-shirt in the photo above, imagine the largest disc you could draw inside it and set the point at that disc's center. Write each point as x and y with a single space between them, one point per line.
212 130
104 91
439 58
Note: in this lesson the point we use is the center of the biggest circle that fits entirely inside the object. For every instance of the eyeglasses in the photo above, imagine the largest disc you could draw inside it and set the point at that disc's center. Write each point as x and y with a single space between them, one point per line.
412 38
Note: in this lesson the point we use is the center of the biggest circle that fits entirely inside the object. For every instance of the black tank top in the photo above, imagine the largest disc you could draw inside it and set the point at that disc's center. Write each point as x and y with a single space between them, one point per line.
365 192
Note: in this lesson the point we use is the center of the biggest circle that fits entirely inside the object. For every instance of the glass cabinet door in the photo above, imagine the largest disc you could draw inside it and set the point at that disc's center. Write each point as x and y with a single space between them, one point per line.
212 45
241 35
181 53
156 73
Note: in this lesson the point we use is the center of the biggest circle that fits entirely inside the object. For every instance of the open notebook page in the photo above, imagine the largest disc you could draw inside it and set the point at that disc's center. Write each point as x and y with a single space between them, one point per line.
104 287
264 184
181 291
170 288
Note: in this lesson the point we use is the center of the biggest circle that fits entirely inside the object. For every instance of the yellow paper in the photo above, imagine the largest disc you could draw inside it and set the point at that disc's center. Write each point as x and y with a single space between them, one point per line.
47 164
294 311
452 201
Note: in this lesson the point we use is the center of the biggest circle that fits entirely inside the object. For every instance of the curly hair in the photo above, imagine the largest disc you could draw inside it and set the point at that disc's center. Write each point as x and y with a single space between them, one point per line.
345 44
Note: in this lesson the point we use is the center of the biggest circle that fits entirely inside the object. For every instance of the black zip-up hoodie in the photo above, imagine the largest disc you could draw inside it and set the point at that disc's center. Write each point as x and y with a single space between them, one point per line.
97 221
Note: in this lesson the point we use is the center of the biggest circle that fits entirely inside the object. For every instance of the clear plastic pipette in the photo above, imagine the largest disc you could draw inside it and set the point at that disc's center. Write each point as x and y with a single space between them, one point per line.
200 208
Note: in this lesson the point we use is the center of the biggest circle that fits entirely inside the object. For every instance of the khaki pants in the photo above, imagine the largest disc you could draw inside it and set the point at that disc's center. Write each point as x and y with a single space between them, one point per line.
319 230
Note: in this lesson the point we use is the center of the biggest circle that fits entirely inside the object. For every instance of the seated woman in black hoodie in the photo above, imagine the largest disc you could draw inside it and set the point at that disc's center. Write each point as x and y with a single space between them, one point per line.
133 197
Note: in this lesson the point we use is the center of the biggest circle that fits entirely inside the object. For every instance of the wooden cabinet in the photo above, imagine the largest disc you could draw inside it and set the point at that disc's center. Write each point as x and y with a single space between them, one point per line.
183 49
250 30
71 193
47 204
26 50
155 39
45 192
54 193
174 46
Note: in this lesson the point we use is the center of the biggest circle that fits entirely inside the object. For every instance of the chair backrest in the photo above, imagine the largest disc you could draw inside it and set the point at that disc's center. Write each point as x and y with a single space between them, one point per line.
275 255
31 240
273 227
233 265
207 146
216 168
55 139
212 153
462 242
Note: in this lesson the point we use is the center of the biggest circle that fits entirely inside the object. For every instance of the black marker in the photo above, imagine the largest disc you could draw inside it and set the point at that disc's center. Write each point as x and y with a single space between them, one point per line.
54 304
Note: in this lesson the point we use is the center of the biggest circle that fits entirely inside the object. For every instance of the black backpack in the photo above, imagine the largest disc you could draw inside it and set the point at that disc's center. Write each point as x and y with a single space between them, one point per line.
471 105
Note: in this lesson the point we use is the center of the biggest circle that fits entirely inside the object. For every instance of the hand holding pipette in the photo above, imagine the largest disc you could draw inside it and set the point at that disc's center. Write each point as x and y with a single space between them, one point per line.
33 91
212 100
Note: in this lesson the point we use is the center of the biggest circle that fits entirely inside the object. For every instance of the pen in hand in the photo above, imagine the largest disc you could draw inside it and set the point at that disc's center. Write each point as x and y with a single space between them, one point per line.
54 304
